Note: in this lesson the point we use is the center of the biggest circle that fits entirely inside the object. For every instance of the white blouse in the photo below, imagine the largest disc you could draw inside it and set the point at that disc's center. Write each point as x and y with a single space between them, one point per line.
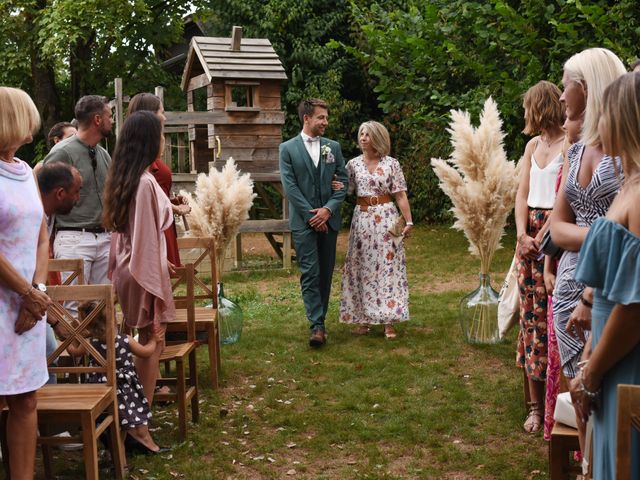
542 183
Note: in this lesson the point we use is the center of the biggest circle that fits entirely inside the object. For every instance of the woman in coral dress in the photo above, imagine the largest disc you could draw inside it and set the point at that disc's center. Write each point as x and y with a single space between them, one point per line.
375 290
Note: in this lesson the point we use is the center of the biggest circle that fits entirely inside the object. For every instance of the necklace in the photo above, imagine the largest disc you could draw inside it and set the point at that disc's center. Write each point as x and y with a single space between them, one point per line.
553 142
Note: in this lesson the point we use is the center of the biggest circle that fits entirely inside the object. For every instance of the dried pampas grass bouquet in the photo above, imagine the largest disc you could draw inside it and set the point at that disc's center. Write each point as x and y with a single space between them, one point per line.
221 203
482 186
479 180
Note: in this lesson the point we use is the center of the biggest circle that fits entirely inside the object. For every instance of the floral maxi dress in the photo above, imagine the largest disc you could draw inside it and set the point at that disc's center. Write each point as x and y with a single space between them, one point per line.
374 281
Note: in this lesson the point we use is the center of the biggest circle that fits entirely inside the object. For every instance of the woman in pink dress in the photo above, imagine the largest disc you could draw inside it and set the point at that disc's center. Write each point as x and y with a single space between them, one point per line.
24 251
375 290
136 208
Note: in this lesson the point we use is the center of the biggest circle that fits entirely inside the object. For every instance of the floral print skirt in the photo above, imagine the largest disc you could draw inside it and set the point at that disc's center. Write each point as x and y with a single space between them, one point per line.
374 279
532 339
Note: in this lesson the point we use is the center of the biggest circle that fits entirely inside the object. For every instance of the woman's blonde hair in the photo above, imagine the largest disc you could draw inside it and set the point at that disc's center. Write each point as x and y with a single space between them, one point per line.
19 118
594 69
621 112
379 136
543 109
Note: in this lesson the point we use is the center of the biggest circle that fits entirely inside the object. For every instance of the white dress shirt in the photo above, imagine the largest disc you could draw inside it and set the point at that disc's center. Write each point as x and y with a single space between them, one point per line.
312 144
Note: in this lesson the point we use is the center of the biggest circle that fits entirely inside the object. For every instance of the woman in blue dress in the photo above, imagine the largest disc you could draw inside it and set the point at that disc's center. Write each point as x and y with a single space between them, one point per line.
610 264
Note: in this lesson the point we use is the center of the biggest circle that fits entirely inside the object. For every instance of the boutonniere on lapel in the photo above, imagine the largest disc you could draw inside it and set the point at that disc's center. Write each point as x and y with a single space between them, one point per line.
327 154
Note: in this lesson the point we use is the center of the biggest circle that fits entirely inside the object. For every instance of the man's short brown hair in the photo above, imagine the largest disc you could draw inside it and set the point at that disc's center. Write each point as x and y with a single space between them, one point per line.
307 106
89 106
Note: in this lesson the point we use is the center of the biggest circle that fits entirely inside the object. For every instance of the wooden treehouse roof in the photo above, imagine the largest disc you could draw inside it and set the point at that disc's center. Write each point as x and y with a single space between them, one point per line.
214 58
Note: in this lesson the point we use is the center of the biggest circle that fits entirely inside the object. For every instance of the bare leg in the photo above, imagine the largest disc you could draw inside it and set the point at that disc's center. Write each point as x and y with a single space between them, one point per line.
22 429
535 418
148 368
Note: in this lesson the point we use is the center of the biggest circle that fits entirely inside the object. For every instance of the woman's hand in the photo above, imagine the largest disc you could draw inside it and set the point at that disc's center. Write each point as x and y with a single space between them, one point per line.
26 321
336 184
172 269
579 321
581 402
529 248
406 231
36 302
181 209
549 282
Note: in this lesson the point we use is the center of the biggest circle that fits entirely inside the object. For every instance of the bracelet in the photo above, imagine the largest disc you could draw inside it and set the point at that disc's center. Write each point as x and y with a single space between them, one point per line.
586 303
409 224
28 292
591 395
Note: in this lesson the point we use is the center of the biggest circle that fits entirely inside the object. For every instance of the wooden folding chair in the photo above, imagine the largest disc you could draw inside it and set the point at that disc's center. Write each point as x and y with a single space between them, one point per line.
201 252
628 418
93 406
74 266
184 387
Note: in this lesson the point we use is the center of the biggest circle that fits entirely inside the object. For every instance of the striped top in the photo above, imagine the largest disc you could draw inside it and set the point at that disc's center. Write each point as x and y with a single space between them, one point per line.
588 203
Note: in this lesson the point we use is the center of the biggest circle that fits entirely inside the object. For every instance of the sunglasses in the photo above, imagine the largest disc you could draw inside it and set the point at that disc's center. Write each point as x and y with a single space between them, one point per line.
92 155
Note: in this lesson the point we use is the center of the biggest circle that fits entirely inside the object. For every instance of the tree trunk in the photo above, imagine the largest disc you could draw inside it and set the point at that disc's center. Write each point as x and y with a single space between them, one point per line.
80 66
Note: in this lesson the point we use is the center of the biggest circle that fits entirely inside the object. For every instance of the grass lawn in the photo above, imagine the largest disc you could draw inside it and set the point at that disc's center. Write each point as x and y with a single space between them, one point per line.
426 405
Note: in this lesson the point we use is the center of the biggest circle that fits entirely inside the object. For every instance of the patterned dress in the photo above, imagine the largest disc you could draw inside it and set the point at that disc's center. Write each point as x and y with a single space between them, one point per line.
23 361
374 281
588 204
133 408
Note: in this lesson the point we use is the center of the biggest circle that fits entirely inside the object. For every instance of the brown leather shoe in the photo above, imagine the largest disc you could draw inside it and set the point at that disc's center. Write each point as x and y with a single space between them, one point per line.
317 339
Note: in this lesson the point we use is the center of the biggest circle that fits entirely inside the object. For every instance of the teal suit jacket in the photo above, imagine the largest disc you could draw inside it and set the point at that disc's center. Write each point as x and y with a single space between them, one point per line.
298 175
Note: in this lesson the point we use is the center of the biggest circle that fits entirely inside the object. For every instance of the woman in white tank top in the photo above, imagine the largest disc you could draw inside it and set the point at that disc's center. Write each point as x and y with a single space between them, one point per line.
541 163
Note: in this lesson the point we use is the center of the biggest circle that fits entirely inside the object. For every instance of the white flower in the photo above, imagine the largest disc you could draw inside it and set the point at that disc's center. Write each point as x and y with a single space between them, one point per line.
326 150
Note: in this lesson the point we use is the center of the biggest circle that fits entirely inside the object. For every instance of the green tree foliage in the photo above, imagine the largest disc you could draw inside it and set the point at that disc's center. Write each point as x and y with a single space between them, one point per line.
63 49
429 57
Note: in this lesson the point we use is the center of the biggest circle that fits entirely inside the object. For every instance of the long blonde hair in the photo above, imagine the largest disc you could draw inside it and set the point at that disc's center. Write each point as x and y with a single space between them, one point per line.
594 69
621 113
19 118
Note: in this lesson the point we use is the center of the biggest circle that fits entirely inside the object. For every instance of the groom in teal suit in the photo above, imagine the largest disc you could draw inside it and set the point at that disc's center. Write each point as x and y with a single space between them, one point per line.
308 164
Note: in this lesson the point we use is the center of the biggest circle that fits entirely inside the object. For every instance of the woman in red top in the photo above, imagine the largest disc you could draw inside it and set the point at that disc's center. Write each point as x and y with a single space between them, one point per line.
162 173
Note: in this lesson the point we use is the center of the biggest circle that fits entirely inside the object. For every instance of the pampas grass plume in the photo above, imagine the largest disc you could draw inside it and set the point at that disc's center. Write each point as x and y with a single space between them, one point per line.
221 203
479 180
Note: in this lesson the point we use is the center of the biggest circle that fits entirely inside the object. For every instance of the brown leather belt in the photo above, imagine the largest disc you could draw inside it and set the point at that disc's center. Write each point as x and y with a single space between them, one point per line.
366 202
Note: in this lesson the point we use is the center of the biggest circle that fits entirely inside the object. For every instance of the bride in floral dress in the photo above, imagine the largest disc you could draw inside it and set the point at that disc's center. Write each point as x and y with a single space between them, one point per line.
374 282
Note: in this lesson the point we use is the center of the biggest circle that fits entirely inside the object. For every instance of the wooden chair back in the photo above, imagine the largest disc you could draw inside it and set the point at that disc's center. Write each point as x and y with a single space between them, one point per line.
73 265
75 331
628 418
186 300
201 252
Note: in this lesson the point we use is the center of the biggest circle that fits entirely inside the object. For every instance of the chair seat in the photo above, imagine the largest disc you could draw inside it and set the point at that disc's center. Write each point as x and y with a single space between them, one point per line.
203 316
562 430
175 351
69 398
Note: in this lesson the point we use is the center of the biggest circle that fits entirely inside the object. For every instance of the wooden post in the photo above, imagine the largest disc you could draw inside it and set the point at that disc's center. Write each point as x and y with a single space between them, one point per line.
160 93
236 38
119 111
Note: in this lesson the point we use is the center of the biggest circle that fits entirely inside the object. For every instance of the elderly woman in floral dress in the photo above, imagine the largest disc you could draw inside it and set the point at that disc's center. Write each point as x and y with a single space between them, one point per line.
374 282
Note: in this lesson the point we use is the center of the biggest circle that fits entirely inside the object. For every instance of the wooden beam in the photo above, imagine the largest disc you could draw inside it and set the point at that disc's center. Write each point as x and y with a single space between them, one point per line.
198 81
236 38
217 117
227 41
265 226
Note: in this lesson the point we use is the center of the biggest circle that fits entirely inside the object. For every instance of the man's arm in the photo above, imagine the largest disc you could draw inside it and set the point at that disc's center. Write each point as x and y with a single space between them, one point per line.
338 196
290 185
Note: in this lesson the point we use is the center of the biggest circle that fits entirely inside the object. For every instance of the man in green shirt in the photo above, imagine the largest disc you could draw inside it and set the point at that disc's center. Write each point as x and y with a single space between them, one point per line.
80 233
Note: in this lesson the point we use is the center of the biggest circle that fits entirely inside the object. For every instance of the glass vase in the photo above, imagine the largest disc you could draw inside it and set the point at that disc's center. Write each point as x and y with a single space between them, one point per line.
479 313
230 318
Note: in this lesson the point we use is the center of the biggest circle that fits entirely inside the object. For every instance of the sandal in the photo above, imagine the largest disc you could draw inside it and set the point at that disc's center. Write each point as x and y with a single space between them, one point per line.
533 422
361 330
390 332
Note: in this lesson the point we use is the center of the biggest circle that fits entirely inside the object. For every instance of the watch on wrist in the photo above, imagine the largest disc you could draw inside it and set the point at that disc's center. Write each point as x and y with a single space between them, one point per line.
40 286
